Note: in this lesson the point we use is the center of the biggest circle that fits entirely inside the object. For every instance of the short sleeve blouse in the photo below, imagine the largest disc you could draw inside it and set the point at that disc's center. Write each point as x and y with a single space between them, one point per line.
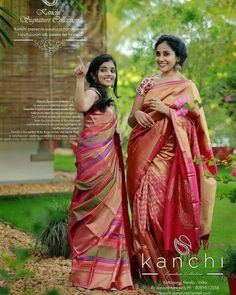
145 85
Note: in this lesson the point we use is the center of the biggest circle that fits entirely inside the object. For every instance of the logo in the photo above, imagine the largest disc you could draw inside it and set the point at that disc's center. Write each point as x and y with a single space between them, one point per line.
183 245
48 3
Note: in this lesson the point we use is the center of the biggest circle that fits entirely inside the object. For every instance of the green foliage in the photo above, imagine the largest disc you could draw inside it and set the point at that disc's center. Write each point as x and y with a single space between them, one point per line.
5 26
76 2
231 195
22 254
4 275
52 292
51 225
218 239
4 291
13 268
69 5
208 29
64 163
33 212
224 174
229 265
54 239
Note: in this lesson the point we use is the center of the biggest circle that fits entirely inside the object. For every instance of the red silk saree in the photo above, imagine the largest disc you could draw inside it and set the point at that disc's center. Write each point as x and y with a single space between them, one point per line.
172 198
98 221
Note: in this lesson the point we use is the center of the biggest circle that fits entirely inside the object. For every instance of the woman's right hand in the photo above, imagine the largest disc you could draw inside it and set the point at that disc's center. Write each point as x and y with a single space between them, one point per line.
143 119
80 70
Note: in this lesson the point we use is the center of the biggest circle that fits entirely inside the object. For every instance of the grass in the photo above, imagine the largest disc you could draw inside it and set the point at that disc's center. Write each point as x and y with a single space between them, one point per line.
225 171
64 162
32 213
223 234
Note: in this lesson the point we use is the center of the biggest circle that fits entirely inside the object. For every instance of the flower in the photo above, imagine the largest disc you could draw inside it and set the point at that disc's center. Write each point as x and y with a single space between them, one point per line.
233 172
182 112
229 99
180 102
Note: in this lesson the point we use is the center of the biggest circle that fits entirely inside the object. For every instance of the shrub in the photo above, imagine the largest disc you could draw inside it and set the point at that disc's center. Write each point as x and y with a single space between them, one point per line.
229 266
54 239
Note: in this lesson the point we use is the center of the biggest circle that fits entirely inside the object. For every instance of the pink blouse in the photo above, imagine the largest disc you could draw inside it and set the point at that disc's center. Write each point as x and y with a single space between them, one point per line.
145 85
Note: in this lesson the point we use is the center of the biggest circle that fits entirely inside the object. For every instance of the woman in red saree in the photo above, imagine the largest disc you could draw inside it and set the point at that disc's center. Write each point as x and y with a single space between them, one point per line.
172 198
98 221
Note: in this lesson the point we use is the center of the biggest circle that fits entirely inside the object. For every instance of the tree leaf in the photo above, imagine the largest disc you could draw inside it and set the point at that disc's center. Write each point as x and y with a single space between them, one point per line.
9 13
4 21
21 253
4 291
4 36
4 275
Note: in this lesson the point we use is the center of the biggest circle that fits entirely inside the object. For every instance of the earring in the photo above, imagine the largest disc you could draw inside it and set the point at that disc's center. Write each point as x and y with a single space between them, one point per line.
178 67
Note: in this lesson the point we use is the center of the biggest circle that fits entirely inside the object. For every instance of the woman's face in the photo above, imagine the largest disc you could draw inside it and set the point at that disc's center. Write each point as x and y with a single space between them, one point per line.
107 74
165 58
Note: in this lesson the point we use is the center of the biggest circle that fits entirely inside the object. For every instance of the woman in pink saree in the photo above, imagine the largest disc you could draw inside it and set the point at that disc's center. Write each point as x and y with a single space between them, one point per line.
98 221
169 155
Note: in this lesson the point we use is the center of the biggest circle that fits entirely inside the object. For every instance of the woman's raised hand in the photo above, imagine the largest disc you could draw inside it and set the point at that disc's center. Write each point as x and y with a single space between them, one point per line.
81 70
143 119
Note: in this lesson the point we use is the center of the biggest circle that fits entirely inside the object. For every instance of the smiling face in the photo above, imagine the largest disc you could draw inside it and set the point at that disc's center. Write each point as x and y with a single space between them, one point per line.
106 74
166 58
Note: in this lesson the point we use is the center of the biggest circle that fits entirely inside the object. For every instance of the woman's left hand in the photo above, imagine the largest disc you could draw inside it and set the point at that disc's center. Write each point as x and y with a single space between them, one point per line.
159 106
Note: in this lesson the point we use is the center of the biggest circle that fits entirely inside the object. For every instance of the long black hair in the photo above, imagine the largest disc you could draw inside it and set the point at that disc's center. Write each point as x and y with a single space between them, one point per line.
176 44
92 78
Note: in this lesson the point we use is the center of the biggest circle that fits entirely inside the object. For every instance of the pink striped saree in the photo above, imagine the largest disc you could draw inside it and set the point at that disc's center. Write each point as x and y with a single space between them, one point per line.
172 198
98 222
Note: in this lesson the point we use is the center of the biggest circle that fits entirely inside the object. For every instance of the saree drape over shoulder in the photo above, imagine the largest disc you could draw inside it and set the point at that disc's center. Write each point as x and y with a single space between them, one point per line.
98 222
172 198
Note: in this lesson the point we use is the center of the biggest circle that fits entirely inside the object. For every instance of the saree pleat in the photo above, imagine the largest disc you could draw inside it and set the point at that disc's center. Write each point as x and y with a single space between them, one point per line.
172 198
98 222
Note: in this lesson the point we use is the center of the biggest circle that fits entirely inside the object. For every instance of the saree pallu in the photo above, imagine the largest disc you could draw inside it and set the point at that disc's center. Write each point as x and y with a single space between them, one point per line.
98 220
172 197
